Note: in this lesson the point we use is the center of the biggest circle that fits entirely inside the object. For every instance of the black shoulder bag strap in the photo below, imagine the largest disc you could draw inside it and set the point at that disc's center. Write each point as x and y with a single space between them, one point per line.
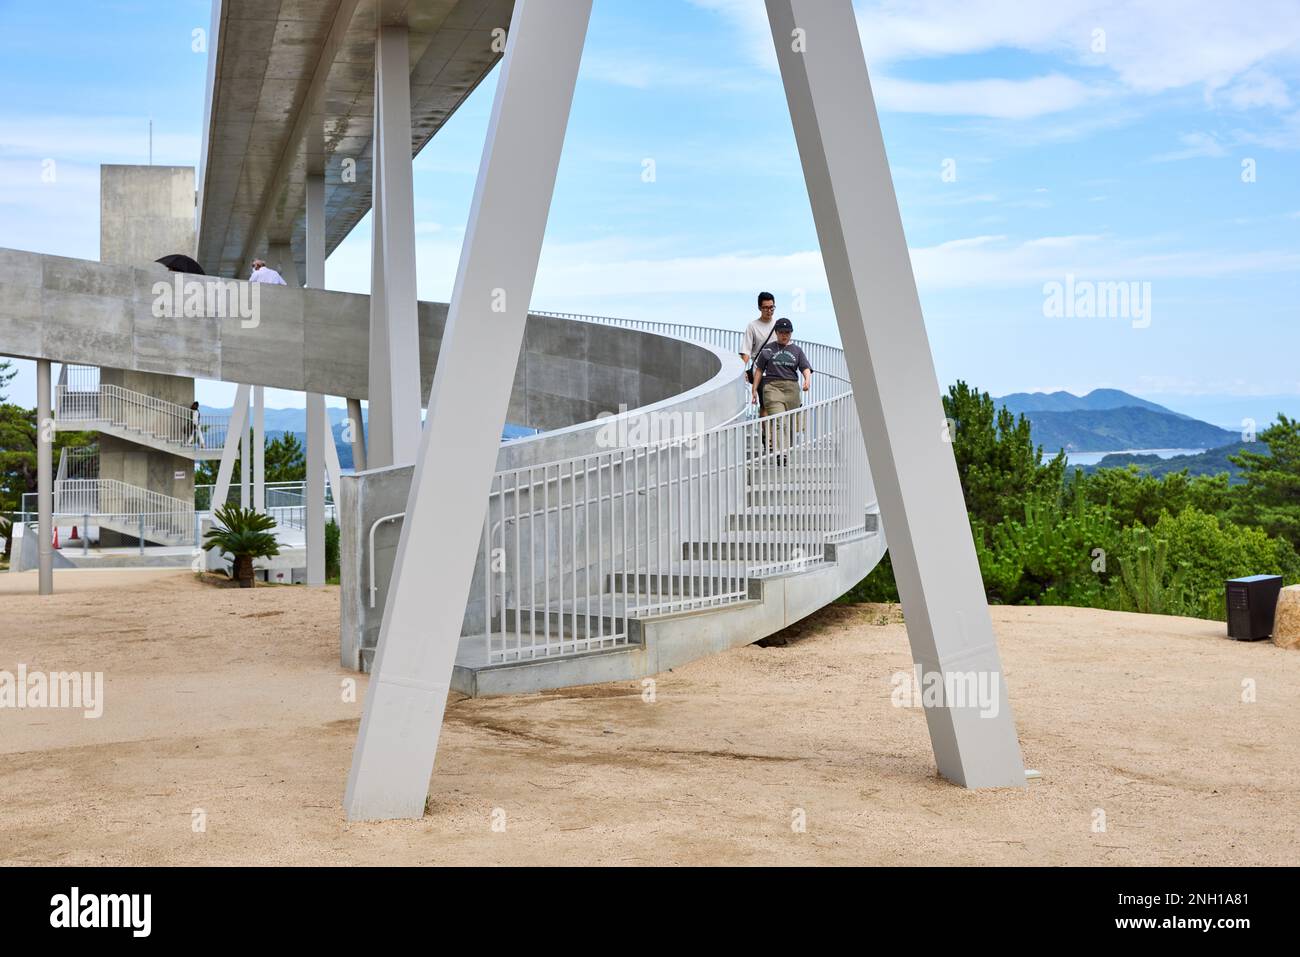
753 360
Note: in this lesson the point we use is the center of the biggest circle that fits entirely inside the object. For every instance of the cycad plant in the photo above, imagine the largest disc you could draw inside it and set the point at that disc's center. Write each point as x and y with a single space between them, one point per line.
1143 574
245 534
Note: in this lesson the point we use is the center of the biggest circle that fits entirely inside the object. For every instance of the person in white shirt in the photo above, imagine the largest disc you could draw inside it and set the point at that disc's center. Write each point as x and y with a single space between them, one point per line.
757 332
264 273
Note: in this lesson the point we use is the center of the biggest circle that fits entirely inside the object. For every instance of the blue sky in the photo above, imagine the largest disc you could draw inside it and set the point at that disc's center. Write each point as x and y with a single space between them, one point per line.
1100 140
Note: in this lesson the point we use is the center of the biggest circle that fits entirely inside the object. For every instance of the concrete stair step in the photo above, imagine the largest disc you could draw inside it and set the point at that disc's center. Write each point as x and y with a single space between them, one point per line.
772 497
580 619
813 519
684 579
752 550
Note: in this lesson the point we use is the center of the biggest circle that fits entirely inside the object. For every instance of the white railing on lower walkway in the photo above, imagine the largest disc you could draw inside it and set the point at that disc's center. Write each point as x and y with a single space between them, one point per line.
150 514
80 399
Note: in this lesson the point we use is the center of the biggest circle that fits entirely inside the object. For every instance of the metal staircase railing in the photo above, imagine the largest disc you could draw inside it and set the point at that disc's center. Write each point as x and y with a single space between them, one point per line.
127 509
81 398
574 550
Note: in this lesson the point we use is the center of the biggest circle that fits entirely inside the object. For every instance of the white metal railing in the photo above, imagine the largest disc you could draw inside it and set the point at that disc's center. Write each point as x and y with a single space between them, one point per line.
282 496
81 462
110 501
81 398
572 551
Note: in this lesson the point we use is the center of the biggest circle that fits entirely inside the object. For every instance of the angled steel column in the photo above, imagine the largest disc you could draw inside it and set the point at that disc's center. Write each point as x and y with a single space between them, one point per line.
379 438
316 425
44 480
332 468
237 427
894 382
404 706
395 346
358 436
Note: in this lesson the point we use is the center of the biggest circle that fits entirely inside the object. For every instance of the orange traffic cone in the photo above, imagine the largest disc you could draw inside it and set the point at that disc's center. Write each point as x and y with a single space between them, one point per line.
56 536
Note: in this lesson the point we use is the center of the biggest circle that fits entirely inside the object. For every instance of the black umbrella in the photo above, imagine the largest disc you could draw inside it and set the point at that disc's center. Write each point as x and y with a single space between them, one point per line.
180 263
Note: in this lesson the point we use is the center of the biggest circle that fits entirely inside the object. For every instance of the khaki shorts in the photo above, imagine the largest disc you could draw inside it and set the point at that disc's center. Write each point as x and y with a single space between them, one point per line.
780 395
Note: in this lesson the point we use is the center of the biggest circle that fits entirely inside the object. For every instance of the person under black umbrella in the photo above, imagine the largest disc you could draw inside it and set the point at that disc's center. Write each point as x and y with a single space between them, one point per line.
178 262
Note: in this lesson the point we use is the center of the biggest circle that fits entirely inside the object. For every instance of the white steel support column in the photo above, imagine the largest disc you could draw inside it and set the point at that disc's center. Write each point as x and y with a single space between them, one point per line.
894 383
358 429
237 427
413 662
259 448
317 427
44 480
245 464
379 447
394 387
333 470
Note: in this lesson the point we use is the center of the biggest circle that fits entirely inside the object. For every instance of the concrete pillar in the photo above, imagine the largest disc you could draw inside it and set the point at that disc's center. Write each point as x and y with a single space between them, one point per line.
894 383
411 677
44 479
259 448
358 428
394 387
146 212
317 427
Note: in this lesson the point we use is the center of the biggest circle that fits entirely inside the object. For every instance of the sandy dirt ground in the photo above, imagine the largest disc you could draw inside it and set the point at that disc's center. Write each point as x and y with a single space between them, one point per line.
226 708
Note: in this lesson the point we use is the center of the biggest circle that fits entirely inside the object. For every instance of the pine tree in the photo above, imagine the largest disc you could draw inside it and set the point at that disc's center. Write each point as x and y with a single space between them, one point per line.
1270 498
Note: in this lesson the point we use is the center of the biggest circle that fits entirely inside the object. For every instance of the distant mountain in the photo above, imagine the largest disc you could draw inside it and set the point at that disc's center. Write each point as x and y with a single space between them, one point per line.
1110 420
291 420
1209 462
1097 399
1109 430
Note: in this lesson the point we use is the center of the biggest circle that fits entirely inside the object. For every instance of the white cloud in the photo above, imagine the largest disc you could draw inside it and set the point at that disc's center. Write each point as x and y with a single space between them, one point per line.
1195 145
1258 89
1148 47
999 99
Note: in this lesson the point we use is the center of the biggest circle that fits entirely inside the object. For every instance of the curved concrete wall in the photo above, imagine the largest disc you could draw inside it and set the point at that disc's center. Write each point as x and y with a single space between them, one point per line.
314 340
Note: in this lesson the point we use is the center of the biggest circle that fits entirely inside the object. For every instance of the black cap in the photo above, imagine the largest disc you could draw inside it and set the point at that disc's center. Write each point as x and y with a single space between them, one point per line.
783 325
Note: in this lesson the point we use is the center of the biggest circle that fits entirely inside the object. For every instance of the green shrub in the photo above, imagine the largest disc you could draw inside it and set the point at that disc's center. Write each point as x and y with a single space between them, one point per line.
878 586
1213 550
1052 556
1149 582
247 535
331 549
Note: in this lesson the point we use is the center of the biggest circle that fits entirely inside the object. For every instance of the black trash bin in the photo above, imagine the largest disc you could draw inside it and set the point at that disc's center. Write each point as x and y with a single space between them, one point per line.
1252 602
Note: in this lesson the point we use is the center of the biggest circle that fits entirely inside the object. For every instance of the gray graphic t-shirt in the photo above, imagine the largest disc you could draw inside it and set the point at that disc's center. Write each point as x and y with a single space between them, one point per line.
782 362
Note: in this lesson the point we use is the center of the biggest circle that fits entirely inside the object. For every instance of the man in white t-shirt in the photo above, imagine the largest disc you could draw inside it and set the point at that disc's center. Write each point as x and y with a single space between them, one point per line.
756 332
264 273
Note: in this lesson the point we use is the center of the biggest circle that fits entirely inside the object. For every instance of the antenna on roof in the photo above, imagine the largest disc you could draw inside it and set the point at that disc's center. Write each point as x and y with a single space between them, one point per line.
151 141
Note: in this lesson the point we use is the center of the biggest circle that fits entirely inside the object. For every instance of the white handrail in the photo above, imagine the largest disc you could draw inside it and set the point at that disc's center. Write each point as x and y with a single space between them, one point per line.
81 398
575 549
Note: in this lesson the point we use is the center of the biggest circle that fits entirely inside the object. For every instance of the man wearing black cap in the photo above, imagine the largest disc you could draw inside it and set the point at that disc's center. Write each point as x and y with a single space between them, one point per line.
777 373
